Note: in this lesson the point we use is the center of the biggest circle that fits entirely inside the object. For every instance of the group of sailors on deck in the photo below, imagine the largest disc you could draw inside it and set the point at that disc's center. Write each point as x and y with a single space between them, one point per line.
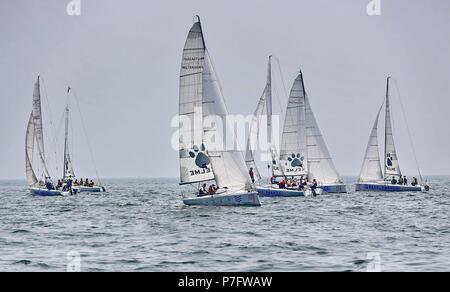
67 184
293 184
207 191
403 181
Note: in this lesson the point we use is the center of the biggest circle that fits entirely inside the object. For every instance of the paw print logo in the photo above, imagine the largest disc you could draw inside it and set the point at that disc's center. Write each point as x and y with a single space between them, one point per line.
296 160
389 159
201 160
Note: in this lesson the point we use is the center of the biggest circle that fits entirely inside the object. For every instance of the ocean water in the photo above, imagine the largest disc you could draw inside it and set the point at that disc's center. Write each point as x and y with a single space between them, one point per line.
142 225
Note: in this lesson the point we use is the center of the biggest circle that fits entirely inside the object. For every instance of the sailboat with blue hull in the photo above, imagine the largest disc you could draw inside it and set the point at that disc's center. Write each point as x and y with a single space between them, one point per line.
34 145
292 160
372 178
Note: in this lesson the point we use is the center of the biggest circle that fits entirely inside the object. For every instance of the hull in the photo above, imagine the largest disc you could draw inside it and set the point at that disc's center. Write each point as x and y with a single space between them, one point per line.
334 188
80 189
237 199
47 193
287 193
383 187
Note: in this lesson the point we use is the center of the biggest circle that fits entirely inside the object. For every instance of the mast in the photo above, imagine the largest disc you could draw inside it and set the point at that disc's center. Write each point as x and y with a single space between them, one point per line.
387 116
269 101
66 143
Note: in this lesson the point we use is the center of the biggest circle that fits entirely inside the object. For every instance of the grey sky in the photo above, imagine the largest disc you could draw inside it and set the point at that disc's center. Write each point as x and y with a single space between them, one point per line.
123 60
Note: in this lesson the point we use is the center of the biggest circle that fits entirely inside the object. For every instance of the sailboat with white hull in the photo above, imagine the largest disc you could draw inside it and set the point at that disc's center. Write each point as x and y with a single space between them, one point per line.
292 161
35 138
68 170
372 177
200 98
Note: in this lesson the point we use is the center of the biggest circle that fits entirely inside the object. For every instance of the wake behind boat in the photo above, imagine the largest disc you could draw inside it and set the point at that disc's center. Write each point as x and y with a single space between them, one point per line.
200 98
372 177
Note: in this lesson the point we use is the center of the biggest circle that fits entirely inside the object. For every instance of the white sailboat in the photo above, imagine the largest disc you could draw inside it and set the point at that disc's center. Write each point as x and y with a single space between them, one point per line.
68 169
201 97
292 161
372 177
35 137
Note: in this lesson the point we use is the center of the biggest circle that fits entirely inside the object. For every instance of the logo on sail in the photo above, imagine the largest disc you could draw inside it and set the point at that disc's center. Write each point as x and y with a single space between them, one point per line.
390 158
294 163
296 160
201 160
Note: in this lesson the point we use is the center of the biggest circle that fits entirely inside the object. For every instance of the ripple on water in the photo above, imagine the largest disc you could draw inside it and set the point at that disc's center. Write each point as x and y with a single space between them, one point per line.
151 230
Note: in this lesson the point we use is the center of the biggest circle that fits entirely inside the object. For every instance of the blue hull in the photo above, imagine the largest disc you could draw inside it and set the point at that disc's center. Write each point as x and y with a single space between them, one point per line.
269 192
334 189
386 188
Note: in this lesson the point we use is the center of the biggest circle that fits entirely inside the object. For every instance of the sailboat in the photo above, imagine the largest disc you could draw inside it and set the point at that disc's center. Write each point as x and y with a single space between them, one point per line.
35 137
292 161
372 177
68 170
201 97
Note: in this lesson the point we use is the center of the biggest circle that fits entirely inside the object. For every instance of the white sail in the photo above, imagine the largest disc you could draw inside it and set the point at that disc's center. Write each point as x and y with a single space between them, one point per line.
294 154
391 165
194 162
68 167
320 163
254 137
229 168
38 128
371 169
277 170
29 147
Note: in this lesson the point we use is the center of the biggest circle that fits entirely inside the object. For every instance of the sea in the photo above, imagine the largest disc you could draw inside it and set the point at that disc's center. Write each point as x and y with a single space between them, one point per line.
142 225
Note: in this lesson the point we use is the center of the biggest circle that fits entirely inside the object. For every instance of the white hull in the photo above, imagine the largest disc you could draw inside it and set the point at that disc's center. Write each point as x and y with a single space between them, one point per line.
236 199
47 193
334 188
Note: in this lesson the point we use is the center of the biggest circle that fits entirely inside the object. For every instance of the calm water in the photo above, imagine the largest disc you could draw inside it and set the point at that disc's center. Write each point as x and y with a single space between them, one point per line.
141 225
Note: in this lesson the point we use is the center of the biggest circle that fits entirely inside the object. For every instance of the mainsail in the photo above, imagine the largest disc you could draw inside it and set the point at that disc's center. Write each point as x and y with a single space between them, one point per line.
194 162
38 128
371 169
320 163
391 165
68 167
277 170
200 86
294 154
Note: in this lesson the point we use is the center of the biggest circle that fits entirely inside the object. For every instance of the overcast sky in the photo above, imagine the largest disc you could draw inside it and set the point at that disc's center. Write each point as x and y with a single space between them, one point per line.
123 60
